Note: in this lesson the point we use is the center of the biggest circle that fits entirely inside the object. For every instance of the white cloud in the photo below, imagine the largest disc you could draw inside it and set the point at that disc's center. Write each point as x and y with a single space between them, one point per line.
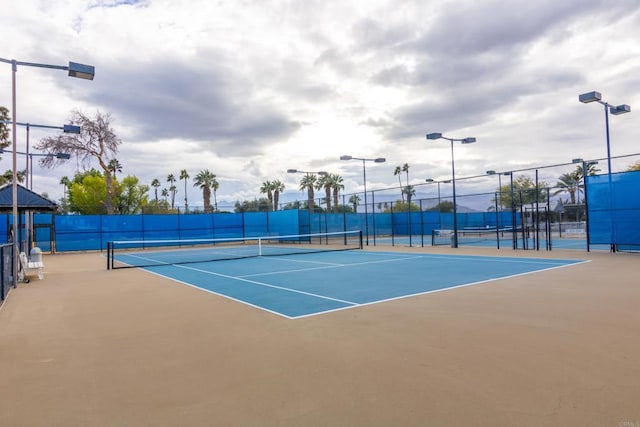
249 89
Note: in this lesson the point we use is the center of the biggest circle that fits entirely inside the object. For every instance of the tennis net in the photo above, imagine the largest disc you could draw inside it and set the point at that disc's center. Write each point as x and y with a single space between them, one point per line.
149 253
472 236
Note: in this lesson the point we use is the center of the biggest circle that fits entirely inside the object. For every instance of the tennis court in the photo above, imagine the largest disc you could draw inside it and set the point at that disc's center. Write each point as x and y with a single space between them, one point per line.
321 279
550 342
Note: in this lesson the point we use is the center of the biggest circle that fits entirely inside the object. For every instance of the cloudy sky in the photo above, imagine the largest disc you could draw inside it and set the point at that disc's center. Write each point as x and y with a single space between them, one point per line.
249 89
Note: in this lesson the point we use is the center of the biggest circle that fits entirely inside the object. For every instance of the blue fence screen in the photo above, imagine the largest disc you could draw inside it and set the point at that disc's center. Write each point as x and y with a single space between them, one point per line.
614 209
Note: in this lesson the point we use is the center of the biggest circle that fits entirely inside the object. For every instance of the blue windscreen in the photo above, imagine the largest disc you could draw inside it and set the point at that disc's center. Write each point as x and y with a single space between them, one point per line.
614 209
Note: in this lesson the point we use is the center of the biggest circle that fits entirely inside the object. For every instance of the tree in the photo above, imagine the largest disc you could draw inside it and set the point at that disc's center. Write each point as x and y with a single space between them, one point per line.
308 182
267 188
256 205
405 168
7 176
524 192
4 129
410 191
97 140
171 179
444 206
88 193
185 175
278 187
114 166
155 184
580 174
165 196
132 196
355 201
634 167
570 183
205 181
64 205
325 183
214 187
398 172
336 186
400 206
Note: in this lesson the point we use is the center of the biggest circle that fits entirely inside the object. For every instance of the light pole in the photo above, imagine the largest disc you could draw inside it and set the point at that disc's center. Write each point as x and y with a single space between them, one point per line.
594 96
308 173
75 70
364 176
468 140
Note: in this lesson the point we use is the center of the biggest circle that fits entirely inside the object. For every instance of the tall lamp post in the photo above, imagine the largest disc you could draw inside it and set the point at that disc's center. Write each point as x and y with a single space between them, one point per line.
364 176
594 96
468 140
321 173
75 70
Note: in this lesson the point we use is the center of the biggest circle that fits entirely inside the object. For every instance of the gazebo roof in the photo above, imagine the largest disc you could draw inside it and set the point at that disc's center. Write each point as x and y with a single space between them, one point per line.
27 200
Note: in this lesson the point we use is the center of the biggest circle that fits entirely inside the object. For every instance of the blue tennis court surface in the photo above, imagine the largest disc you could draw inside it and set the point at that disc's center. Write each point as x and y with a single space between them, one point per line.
296 286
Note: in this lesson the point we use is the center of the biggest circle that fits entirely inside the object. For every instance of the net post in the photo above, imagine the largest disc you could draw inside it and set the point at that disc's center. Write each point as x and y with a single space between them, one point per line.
361 245
260 246
108 255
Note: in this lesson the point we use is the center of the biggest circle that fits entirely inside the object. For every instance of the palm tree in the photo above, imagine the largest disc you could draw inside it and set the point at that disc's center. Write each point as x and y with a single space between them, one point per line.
325 182
171 179
205 180
214 186
308 182
165 194
568 182
580 174
398 171
405 168
410 191
355 201
267 188
155 184
114 166
185 175
336 186
278 187
65 182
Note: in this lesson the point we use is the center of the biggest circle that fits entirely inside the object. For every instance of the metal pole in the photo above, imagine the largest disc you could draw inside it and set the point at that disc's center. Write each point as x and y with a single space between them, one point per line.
454 243
366 212
514 236
14 183
586 205
612 231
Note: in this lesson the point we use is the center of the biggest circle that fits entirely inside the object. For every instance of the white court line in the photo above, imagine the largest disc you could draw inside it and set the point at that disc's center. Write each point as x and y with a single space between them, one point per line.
439 290
266 285
327 266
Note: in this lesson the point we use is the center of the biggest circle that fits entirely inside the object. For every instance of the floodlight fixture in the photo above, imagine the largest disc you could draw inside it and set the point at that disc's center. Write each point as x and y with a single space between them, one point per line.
620 109
588 97
71 129
81 71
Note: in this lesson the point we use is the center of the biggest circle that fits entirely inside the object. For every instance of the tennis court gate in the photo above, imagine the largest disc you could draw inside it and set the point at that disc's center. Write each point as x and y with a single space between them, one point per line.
536 228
